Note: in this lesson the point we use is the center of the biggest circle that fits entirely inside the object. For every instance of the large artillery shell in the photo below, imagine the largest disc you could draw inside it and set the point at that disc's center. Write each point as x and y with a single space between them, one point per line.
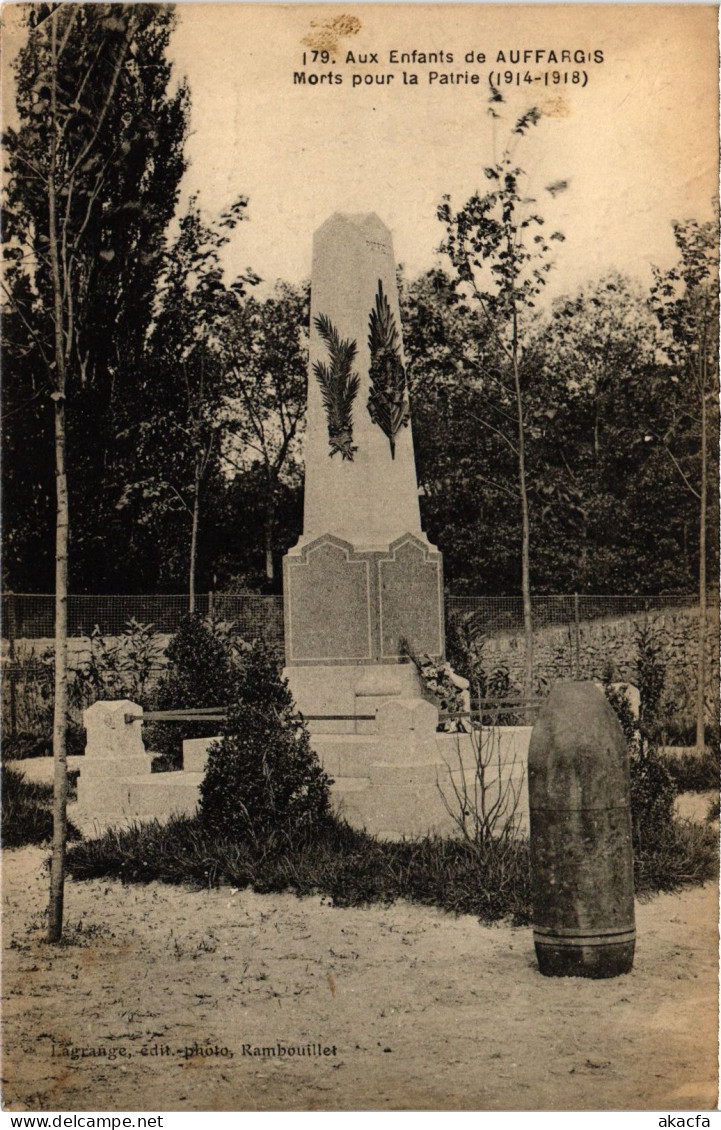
581 850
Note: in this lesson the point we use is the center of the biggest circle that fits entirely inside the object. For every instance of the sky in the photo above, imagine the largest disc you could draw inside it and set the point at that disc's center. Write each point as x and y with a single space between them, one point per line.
637 141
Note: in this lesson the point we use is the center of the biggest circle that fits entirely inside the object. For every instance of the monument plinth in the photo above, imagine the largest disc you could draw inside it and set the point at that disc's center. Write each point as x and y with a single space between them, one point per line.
363 578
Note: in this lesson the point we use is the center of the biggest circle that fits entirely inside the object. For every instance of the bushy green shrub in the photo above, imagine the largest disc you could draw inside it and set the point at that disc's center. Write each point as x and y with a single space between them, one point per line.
653 794
263 783
618 699
202 671
650 678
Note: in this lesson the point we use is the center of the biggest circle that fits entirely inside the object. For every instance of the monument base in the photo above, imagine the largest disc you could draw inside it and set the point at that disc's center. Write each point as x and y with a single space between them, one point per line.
397 779
353 692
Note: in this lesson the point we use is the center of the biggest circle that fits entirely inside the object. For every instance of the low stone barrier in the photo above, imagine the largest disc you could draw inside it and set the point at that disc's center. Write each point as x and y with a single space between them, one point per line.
399 781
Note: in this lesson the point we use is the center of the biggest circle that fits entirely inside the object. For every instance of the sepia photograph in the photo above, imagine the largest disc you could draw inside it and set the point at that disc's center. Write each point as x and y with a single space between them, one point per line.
360 558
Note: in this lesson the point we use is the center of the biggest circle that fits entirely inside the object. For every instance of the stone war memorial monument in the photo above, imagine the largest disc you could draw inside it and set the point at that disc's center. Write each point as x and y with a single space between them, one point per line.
363 586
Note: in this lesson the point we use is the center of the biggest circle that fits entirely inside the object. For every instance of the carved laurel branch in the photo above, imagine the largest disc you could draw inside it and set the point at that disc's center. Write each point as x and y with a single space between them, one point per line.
339 387
388 399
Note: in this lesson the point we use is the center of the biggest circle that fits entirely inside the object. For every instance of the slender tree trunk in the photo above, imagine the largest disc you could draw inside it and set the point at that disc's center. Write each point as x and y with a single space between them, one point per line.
60 781
268 532
60 785
701 666
525 533
194 542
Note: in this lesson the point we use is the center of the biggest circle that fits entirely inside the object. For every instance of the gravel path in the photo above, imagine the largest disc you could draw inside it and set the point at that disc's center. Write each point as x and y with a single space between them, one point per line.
423 1010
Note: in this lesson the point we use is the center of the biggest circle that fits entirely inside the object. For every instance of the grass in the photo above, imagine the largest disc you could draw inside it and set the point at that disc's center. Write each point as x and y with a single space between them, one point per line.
693 772
27 811
348 867
352 868
687 855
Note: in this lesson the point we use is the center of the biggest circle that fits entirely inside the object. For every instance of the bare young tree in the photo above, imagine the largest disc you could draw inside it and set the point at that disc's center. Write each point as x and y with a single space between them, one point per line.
500 254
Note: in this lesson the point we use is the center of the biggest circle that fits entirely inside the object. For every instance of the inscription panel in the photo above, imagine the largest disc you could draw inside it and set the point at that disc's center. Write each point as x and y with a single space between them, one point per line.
328 603
410 601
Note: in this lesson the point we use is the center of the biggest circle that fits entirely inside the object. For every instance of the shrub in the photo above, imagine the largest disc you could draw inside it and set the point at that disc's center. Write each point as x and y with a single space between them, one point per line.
680 730
650 679
120 668
622 707
686 854
26 811
653 791
653 794
202 671
693 772
465 645
18 747
27 694
483 800
263 783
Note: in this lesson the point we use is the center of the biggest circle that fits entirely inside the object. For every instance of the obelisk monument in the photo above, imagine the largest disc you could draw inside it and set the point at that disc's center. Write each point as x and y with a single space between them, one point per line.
363 582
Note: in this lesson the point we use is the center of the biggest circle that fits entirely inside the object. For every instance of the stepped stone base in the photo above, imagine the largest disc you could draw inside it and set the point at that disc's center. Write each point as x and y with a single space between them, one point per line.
350 689
397 781
195 754
160 795
396 788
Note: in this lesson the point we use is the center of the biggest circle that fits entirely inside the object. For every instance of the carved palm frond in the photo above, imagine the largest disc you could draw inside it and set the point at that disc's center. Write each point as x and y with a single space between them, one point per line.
388 399
339 387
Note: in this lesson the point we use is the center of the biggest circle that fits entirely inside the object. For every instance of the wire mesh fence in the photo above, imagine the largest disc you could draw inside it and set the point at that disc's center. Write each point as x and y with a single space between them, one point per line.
575 636
592 637
505 613
31 615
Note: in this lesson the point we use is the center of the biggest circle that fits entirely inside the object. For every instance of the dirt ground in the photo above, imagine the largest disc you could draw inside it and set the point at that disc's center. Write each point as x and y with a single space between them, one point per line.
161 995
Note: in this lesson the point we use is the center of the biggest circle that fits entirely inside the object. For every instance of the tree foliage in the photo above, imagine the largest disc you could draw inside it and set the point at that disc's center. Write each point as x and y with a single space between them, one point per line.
80 86
498 248
609 509
265 344
114 147
173 445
